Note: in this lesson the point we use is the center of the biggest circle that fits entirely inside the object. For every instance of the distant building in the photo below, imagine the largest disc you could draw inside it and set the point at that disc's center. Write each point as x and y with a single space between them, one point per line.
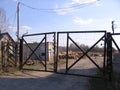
39 53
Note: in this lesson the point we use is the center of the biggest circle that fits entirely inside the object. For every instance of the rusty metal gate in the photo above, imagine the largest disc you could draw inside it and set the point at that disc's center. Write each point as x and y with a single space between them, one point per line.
83 53
37 52
80 53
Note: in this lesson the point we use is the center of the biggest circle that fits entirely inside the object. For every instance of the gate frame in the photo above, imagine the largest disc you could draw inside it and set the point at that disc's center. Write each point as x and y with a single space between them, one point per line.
33 51
84 53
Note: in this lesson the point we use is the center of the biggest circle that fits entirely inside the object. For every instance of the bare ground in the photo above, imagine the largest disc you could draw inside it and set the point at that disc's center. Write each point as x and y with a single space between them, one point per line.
50 81
116 71
42 81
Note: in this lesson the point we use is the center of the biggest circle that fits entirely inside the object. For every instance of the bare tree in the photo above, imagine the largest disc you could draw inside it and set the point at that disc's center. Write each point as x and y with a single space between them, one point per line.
3 21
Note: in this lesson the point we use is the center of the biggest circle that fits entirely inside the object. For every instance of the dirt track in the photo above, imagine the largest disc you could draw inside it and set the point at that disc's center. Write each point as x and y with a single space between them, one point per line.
49 81
43 81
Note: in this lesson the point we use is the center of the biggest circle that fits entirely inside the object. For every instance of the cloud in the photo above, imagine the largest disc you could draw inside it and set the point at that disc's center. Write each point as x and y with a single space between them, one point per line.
72 6
22 28
12 28
62 11
83 1
15 0
26 28
80 21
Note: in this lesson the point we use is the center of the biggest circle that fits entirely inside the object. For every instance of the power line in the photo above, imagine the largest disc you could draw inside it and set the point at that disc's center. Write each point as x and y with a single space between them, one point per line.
57 9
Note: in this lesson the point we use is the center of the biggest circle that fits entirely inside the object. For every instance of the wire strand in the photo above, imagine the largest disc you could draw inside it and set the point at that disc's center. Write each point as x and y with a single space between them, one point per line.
57 9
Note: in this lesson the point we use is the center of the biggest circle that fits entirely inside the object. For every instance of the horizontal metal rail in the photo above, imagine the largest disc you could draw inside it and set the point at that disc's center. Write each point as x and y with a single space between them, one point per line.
38 34
64 32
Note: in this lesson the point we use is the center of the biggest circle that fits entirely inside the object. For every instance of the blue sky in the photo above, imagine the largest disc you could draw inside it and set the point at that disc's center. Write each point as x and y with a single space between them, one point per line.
77 15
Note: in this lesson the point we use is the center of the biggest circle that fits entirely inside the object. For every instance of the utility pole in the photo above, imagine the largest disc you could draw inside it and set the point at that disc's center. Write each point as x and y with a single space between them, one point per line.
113 27
18 17
18 28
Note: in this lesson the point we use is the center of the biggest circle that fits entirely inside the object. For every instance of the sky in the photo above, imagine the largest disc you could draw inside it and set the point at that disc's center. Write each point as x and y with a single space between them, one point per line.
38 16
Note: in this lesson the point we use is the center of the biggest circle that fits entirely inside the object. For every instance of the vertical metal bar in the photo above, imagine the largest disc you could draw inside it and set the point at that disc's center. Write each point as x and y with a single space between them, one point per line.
67 52
46 45
21 54
54 37
109 55
57 57
113 26
104 62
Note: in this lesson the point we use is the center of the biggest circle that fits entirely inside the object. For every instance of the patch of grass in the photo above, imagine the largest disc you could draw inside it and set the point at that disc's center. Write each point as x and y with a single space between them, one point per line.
35 66
61 61
8 70
39 66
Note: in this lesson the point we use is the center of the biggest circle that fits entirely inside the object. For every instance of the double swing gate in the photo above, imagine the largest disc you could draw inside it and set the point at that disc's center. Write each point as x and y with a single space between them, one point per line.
80 53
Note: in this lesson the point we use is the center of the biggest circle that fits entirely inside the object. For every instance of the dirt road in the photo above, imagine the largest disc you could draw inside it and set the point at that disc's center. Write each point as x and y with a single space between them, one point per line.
50 81
43 81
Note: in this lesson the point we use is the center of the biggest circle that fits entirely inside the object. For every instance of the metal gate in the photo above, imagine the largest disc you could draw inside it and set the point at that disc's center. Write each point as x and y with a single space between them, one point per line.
37 52
80 53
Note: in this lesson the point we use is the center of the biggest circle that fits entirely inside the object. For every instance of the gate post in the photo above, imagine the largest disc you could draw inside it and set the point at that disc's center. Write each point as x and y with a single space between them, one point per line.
56 55
109 55
21 54
67 47
54 47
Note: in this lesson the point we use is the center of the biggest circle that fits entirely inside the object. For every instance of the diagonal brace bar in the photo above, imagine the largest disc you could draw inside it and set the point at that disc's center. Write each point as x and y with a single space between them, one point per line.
85 53
33 51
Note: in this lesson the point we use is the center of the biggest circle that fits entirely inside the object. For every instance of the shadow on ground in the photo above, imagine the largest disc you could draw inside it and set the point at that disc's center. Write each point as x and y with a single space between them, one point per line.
44 81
